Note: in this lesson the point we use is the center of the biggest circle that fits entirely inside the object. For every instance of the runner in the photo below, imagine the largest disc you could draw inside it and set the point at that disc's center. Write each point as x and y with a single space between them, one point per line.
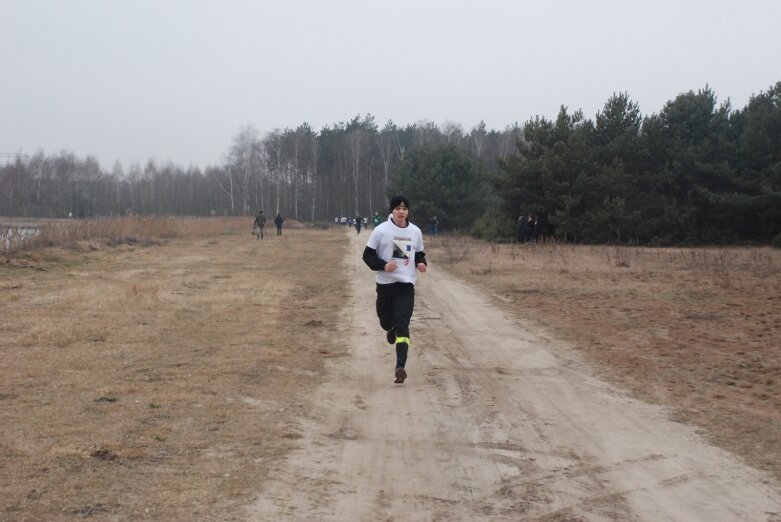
395 252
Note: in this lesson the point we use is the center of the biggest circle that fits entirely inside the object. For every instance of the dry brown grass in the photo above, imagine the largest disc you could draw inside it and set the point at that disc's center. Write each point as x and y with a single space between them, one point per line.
698 329
159 382
145 230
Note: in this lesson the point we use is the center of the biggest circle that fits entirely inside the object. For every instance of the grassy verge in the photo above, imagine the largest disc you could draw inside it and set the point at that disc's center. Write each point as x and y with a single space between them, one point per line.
160 382
16 235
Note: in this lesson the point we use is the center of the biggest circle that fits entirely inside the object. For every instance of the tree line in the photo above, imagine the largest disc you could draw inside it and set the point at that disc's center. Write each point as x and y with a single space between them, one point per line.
344 169
696 172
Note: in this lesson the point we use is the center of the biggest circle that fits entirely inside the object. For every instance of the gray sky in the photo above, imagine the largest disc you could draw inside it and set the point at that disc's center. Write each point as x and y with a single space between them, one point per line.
175 80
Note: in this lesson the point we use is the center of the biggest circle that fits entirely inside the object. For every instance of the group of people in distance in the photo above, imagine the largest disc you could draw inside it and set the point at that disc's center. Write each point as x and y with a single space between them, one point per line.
528 228
259 225
350 221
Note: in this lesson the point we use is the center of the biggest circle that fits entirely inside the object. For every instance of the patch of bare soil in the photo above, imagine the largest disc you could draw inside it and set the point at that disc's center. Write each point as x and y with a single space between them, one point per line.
163 381
698 330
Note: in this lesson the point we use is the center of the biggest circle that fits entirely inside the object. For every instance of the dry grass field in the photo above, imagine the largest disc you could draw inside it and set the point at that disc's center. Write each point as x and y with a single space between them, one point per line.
160 373
697 329
159 381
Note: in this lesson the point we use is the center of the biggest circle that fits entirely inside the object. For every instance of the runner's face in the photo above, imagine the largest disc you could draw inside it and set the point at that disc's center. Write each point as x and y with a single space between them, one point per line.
400 214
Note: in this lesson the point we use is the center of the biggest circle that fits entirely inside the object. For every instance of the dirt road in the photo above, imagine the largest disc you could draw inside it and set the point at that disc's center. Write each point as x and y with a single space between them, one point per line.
495 422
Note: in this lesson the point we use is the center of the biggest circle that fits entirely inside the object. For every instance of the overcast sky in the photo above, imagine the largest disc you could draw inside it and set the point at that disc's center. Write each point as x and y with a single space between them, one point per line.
175 80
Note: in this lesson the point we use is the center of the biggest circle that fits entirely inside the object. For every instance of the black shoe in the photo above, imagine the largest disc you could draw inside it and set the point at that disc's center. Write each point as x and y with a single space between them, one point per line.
401 374
391 336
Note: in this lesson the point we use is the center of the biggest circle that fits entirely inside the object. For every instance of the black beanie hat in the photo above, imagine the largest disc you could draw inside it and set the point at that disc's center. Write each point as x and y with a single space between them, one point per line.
398 200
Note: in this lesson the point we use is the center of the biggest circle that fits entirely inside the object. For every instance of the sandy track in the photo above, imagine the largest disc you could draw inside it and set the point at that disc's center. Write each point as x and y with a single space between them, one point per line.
495 422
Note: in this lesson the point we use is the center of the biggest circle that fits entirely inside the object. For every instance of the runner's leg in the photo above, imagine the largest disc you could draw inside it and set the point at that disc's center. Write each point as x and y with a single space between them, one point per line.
385 306
403 304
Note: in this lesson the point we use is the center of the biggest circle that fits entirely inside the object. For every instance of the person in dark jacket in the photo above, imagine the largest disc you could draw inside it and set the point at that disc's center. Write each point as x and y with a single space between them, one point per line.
278 222
520 230
531 228
259 225
433 226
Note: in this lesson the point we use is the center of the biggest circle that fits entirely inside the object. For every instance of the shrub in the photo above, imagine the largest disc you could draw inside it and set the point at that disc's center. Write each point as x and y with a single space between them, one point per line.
492 227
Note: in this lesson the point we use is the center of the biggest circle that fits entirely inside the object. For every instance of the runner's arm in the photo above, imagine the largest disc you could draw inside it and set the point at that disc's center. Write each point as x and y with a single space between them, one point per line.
372 260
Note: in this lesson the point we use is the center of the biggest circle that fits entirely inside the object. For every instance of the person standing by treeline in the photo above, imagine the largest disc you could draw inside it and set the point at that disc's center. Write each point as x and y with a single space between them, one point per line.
259 224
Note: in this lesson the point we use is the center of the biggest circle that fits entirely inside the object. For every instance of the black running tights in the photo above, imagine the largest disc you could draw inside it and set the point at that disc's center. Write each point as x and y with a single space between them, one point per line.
395 302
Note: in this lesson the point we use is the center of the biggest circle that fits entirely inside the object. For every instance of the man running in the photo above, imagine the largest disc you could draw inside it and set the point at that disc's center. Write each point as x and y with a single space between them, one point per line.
395 252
